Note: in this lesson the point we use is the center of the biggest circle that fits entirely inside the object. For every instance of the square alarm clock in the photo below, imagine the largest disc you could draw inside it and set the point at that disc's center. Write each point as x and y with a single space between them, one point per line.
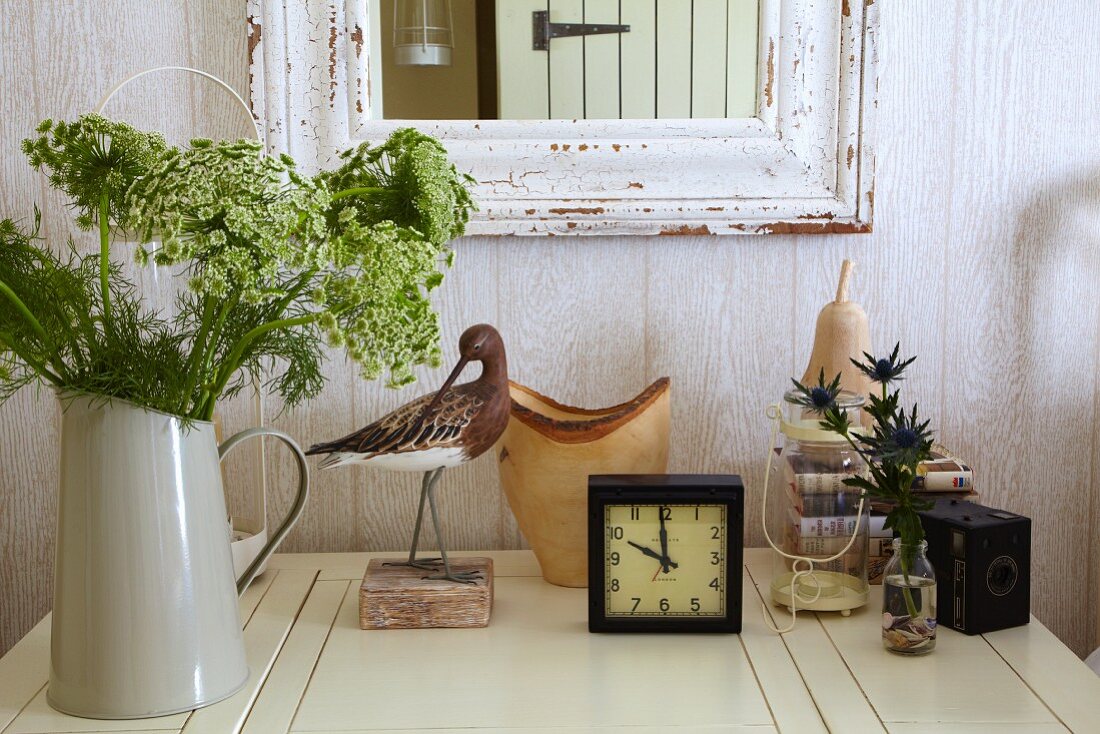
665 552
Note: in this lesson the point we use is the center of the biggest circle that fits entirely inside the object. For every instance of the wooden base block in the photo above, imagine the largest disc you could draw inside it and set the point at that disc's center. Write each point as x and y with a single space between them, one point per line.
399 597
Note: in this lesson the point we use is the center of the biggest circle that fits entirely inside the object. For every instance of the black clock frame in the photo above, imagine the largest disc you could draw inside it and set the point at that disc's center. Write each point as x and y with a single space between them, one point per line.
669 490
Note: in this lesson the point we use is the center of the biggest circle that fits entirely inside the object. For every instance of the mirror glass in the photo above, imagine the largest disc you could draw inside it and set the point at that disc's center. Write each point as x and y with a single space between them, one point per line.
565 59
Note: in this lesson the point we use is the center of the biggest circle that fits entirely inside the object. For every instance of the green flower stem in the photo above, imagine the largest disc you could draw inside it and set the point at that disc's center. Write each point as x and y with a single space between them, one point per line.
105 254
232 362
38 330
905 550
197 348
228 306
8 341
24 312
906 563
357 191
906 592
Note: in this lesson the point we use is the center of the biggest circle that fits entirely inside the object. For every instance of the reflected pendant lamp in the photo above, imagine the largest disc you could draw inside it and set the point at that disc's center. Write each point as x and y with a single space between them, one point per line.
423 32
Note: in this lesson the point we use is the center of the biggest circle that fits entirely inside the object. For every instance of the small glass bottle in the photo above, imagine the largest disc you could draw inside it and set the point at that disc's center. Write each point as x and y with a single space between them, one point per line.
909 600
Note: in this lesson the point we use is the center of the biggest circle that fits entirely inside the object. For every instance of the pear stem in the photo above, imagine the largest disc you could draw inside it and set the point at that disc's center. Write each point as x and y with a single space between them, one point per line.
842 286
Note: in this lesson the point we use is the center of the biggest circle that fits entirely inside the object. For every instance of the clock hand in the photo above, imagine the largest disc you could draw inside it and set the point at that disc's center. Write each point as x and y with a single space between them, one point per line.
647 551
665 560
652 554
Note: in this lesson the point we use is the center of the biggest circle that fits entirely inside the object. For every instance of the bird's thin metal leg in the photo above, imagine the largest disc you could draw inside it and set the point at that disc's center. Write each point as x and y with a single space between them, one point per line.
462 577
430 478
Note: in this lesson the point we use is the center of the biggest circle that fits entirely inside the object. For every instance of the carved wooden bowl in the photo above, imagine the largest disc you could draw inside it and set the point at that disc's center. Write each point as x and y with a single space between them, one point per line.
549 450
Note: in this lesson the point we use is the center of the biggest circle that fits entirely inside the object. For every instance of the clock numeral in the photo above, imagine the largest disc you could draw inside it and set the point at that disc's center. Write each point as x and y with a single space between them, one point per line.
617 533
696 514
637 600
715 558
664 605
714 583
635 513
666 513
614 584
695 606
614 558
715 533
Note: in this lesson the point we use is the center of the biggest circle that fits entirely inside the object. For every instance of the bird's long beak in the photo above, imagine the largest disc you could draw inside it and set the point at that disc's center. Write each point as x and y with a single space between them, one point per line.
439 395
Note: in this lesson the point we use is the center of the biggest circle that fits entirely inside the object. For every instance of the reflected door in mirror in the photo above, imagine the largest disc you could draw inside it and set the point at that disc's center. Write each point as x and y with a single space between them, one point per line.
577 59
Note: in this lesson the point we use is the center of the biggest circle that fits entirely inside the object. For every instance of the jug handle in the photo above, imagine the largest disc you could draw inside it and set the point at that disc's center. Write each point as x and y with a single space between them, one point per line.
299 502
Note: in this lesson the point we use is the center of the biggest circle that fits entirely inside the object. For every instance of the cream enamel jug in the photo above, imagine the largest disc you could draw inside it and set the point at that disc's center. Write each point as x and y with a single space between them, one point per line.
145 619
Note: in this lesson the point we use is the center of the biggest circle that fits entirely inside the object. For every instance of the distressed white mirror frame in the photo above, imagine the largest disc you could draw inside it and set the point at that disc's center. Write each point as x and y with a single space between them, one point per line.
803 164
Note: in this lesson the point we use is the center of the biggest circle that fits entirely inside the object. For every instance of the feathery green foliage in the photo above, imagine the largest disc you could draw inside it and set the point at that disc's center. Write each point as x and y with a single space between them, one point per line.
64 342
277 264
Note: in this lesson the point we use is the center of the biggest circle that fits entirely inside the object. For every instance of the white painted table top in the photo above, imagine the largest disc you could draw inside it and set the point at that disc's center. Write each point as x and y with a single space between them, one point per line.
537 669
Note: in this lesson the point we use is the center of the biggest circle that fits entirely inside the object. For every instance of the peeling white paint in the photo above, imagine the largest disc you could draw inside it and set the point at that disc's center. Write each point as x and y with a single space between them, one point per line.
804 164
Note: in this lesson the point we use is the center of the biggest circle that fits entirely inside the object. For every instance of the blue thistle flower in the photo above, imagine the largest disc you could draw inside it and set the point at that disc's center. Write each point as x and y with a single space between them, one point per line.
820 397
905 438
884 370
900 439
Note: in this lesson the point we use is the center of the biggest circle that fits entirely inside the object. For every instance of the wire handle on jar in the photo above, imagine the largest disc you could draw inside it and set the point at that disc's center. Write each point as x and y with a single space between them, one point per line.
206 75
775 413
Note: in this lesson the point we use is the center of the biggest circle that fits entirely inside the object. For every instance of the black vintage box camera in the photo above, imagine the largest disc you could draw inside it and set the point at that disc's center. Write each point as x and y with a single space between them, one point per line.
982 558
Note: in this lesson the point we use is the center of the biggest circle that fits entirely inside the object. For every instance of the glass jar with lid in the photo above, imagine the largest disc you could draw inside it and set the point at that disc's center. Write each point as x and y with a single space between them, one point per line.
816 524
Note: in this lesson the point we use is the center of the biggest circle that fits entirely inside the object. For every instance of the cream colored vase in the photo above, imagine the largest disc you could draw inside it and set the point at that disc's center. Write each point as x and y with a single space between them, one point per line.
145 618
549 450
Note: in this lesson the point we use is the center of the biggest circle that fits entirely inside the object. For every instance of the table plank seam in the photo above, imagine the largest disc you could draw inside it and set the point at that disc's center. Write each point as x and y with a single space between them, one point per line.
275 575
1026 683
844 660
279 650
764 610
24 708
794 659
759 685
317 660
801 674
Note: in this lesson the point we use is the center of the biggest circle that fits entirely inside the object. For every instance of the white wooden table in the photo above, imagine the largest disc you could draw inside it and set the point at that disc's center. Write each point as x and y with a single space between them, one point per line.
537 669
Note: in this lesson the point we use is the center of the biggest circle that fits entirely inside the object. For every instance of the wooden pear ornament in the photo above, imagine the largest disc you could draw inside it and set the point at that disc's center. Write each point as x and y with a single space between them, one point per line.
842 334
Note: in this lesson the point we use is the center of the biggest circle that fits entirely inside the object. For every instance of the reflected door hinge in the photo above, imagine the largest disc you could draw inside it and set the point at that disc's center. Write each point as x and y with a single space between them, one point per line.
544 30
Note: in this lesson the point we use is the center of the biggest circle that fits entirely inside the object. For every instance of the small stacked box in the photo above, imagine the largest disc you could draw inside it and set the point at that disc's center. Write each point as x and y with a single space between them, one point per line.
942 476
822 515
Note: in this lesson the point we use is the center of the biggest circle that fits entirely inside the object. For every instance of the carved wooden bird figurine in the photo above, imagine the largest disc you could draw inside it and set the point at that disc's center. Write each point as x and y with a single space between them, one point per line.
436 431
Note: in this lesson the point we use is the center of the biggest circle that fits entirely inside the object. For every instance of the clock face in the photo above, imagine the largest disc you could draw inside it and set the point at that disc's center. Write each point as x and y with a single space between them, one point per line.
665 552
665 560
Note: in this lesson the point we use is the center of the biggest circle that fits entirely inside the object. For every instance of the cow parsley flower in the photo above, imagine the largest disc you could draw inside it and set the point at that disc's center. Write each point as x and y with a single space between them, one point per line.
237 217
93 158
276 264
407 180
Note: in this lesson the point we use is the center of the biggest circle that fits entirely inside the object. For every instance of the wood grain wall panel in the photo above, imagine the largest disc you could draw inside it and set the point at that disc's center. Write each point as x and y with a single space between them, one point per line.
214 50
1018 365
29 420
983 262
570 315
898 284
713 326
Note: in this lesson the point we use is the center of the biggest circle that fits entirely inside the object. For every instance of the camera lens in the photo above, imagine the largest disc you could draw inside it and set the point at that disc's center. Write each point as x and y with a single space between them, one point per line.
1001 576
